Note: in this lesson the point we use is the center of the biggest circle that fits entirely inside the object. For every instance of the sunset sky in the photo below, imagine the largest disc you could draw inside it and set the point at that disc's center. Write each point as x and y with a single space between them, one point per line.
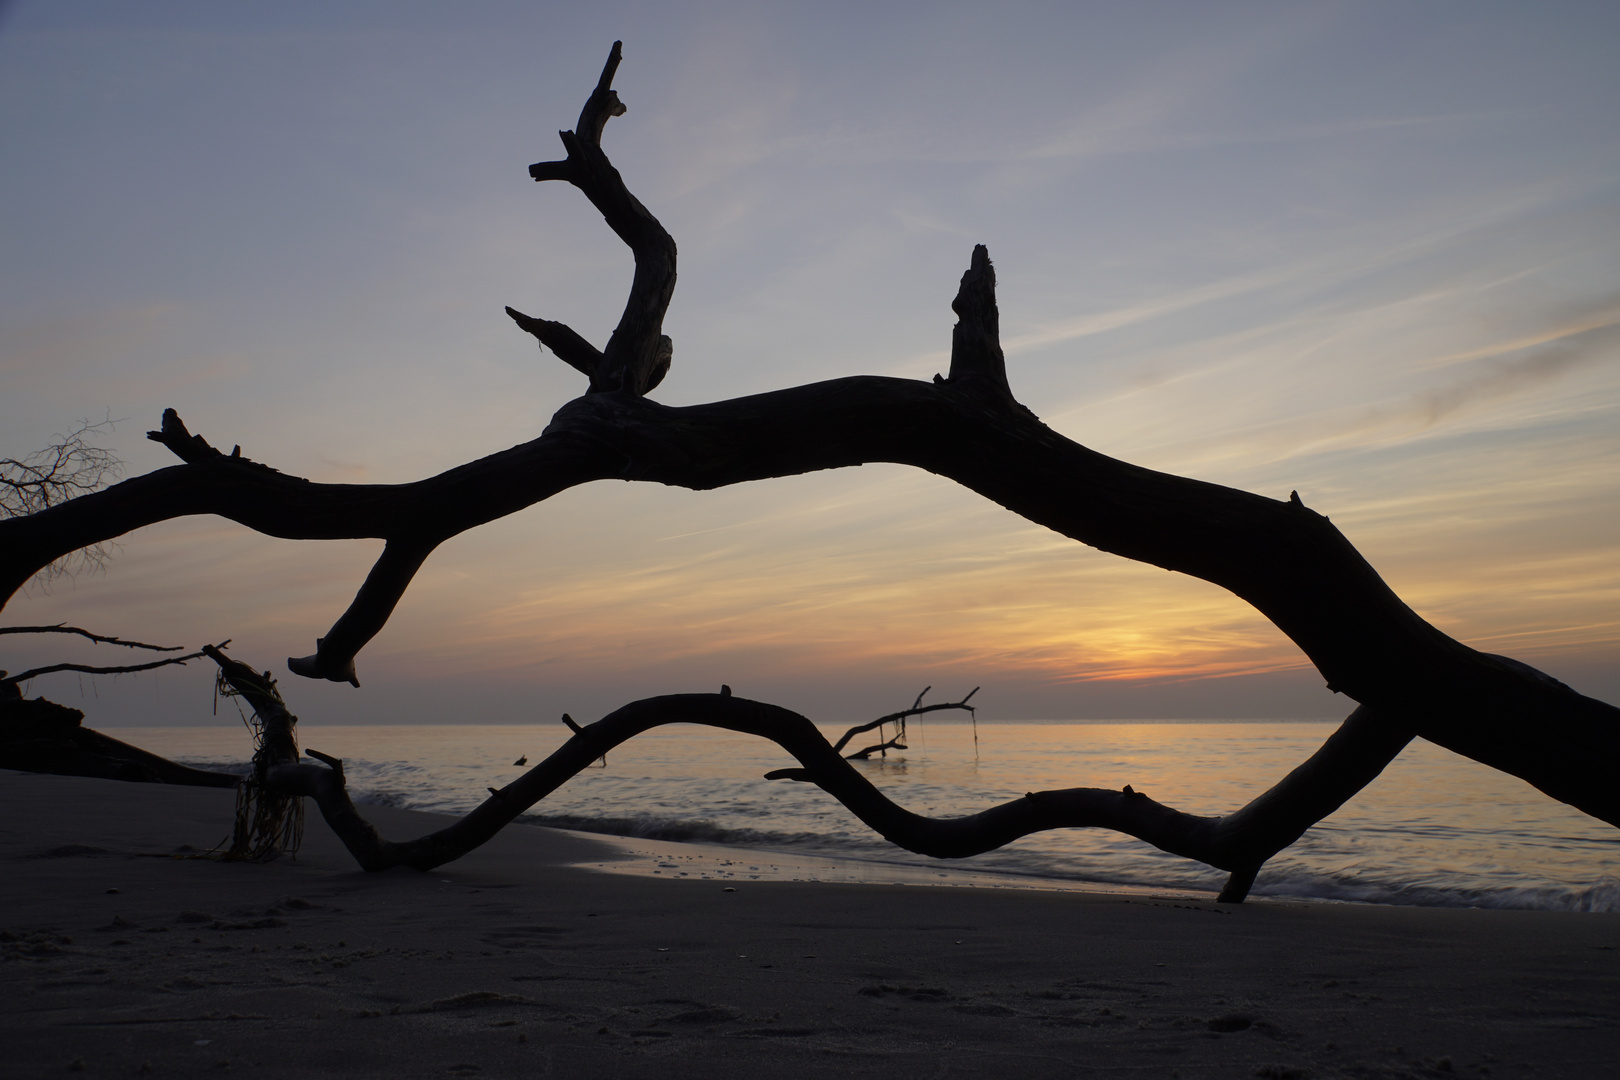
1368 251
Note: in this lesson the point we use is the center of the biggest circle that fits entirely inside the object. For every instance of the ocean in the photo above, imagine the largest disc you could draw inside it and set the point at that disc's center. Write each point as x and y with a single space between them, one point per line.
1436 829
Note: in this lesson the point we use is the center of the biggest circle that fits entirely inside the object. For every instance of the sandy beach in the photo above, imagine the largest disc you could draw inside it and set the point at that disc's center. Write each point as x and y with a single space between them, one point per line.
124 957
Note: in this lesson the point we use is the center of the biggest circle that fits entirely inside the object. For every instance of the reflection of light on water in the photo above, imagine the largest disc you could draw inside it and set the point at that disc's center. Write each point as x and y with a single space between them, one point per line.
1435 829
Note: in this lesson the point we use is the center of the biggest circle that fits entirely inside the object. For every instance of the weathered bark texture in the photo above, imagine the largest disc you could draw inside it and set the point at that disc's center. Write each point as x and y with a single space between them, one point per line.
1283 558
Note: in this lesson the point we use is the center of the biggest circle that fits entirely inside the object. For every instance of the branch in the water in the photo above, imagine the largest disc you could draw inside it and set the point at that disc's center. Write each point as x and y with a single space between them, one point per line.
917 709
1240 842
878 748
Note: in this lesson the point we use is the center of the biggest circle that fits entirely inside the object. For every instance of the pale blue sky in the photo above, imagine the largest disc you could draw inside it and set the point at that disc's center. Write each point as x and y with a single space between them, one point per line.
1368 251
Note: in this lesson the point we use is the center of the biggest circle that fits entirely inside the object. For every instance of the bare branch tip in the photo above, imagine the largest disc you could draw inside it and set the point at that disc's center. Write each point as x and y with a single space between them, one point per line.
553 170
611 68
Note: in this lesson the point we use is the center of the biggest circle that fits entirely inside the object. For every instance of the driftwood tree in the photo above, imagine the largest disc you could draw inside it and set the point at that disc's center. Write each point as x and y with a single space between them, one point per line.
1407 678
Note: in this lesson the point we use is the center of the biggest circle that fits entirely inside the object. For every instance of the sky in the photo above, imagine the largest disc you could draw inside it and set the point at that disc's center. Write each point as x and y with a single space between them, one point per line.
1366 251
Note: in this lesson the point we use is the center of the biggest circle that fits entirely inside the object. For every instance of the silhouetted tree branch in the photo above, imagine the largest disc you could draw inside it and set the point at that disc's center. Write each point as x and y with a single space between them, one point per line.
898 719
1239 842
269 819
99 639
72 465
42 736
88 669
1289 562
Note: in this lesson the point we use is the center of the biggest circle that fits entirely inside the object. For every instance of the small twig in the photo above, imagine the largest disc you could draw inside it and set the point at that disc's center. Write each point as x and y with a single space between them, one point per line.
917 709
638 353
878 748
63 628
86 669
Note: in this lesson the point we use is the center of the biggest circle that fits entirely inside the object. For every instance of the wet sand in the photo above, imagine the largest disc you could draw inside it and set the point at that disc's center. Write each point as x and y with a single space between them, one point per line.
124 958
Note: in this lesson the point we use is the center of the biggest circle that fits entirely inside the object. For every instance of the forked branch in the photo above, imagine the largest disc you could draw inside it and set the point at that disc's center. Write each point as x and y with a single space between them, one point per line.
91 669
99 639
638 354
917 709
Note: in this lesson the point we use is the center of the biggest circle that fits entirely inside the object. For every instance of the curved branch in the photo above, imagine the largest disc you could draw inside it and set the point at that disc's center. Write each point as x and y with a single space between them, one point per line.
976 355
570 348
1287 561
1240 842
638 354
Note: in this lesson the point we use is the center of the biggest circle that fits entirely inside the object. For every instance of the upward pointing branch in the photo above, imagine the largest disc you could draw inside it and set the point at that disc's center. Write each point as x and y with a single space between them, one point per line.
638 354
976 356
604 100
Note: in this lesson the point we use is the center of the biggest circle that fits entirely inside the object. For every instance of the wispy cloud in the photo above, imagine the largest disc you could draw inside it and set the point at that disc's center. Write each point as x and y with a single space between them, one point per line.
1601 315
1502 378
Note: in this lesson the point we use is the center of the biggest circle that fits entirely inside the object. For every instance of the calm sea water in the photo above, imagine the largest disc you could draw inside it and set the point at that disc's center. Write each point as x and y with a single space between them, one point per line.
1435 829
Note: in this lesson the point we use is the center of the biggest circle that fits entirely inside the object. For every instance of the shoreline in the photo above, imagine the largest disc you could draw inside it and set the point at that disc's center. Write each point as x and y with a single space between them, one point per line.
1435 830
515 960
639 857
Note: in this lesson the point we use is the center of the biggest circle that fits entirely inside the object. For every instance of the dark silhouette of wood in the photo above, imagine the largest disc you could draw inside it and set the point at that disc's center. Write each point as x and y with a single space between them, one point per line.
92 669
899 720
638 354
1239 842
37 735
1286 560
41 736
